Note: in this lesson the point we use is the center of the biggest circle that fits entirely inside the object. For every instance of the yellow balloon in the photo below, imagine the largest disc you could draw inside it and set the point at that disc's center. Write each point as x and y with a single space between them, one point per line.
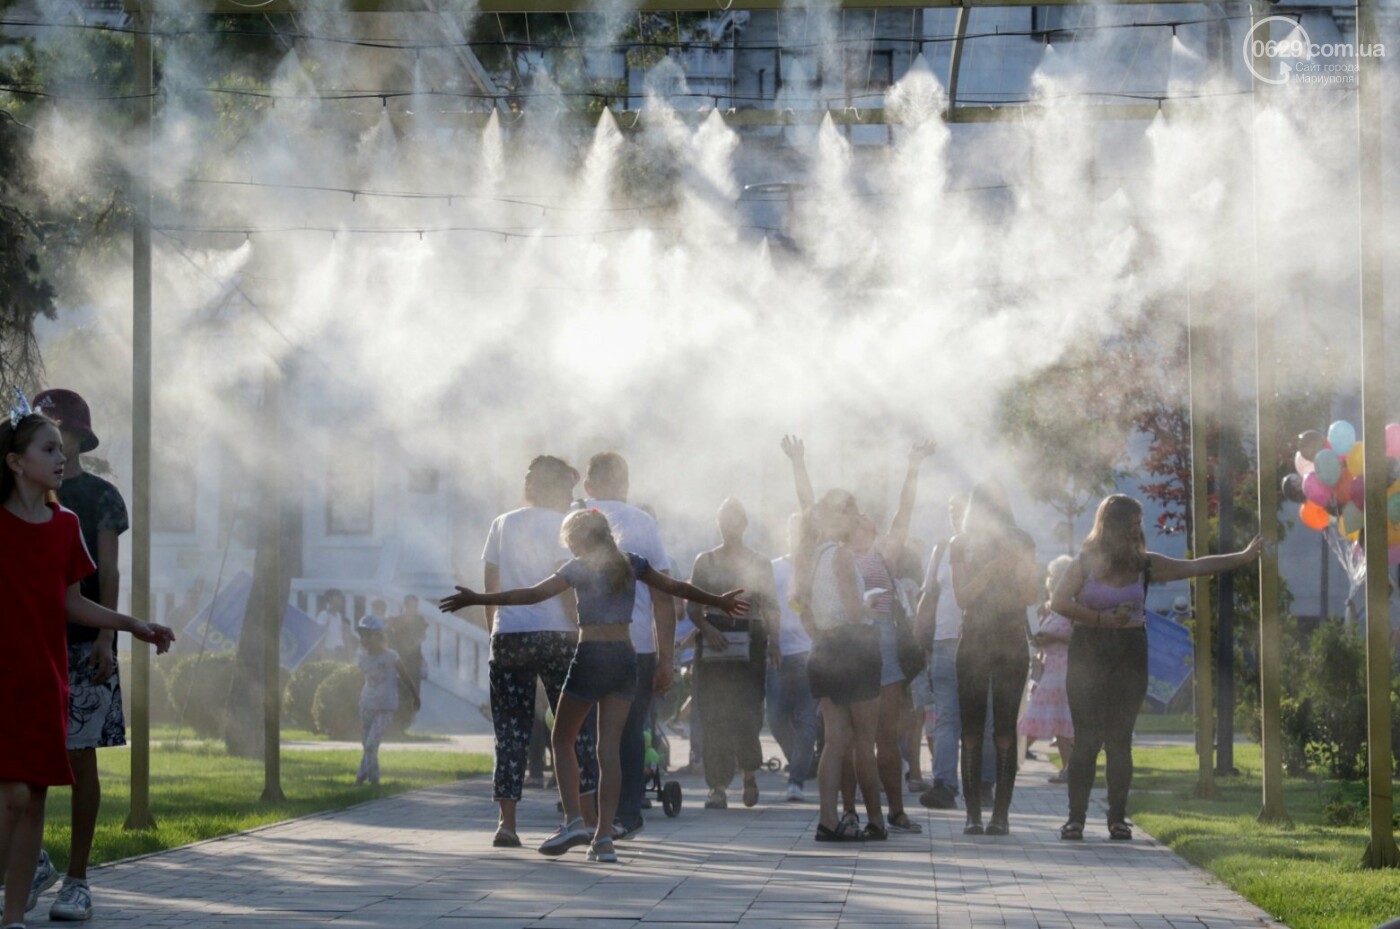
1356 459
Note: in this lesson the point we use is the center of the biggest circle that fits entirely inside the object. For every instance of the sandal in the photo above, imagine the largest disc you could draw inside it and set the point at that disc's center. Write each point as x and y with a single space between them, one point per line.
900 822
1072 831
1120 831
505 838
841 833
750 791
874 833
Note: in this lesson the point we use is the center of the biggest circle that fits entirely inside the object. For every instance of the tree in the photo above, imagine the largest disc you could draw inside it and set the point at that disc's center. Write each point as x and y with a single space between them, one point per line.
1069 424
25 294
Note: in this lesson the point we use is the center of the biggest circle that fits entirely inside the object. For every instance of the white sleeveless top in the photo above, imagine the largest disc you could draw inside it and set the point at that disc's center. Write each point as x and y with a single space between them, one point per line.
827 609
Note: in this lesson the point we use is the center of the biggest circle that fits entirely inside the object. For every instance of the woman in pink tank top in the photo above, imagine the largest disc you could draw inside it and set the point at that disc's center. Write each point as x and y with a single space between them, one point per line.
1103 594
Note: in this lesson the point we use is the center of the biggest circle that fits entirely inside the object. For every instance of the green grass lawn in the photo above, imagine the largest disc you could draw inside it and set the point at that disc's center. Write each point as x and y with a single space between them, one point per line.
199 792
172 733
1164 724
1306 874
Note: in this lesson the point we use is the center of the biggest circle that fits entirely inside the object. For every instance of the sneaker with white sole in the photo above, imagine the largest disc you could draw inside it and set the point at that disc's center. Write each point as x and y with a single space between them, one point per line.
795 793
74 902
624 829
602 851
45 876
571 834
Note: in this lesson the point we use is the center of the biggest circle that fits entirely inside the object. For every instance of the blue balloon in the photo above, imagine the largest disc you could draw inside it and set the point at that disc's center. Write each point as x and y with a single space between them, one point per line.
1342 437
1329 466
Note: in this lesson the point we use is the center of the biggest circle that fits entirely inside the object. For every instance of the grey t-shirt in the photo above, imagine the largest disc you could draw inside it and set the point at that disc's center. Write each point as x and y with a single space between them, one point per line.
381 690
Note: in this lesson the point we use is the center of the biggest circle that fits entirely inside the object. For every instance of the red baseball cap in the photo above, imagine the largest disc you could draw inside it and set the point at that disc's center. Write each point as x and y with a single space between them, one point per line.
71 411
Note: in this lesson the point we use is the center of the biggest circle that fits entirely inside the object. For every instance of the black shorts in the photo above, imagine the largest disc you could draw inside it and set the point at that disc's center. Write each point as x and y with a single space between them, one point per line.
844 665
602 669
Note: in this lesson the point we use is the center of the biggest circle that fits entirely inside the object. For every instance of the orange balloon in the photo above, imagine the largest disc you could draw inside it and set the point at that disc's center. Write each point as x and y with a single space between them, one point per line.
1356 459
1314 516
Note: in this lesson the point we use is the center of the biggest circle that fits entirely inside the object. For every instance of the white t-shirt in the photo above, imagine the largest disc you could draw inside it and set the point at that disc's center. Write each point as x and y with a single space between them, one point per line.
524 545
334 624
948 615
792 637
637 532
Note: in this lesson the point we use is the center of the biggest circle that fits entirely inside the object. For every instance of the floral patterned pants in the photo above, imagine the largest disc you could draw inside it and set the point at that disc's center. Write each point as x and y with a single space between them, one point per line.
517 659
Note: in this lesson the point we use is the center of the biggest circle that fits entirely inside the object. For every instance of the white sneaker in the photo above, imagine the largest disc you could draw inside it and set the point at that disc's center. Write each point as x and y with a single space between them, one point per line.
74 902
567 836
45 876
795 793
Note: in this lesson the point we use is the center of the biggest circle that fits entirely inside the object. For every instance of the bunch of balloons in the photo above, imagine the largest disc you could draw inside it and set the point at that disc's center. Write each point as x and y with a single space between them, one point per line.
1330 482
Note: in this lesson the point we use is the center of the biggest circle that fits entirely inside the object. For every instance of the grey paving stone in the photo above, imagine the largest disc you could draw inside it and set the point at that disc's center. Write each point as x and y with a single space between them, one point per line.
424 861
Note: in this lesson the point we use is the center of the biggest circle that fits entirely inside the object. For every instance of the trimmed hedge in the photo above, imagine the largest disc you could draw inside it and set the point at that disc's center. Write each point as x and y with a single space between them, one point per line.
299 699
198 687
336 708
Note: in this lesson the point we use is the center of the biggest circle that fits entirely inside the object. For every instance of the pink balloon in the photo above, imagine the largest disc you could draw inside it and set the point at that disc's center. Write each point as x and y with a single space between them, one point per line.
1394 554
1303 466
1316 490
1392 440
1358 491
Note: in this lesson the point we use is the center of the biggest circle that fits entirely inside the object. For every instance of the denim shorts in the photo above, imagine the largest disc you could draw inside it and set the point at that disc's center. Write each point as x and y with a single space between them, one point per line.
602 669
890 671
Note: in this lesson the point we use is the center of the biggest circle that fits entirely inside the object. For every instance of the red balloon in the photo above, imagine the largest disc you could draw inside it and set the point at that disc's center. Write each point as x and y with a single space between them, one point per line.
1343 486
1314 516
1358 491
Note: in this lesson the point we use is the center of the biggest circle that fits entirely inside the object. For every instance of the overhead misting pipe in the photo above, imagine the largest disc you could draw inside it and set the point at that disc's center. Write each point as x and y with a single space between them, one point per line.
1381 851
139 816
1266 384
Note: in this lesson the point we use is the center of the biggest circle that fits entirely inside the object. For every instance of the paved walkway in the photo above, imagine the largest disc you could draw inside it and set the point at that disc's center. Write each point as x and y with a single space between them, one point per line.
424 860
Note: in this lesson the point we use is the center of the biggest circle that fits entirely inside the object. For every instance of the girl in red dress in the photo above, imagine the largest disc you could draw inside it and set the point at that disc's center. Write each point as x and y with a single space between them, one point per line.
42 561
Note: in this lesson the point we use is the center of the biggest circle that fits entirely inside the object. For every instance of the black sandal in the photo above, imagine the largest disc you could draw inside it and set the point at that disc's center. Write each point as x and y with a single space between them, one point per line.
1072 831
1120 831
840 834
874 833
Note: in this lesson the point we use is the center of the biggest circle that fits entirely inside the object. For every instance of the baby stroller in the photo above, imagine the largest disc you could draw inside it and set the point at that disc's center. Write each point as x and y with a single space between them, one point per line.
658 758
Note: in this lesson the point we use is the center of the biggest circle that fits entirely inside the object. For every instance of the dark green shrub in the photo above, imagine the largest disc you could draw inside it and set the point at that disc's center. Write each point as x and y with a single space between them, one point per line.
298 700
1324 712
198 687
336 709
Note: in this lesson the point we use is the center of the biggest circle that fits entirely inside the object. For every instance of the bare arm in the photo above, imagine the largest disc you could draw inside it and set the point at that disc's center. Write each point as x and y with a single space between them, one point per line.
926 612
84 612
797 454
663 619
109 583
1166 569
728 602
552 586
492 584
893 543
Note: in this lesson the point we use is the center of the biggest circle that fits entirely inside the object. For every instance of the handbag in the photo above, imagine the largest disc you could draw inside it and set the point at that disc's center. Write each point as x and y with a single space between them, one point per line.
737 644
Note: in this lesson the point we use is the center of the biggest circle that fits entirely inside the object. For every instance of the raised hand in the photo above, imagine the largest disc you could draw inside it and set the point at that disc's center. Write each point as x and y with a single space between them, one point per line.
1254 549
731 604
920 451
793 447
464 597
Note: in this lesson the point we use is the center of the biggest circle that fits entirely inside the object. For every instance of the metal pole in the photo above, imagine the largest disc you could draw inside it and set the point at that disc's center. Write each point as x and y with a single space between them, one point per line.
1200 532
1381 851
274 599
140 814
1266 380
1225 542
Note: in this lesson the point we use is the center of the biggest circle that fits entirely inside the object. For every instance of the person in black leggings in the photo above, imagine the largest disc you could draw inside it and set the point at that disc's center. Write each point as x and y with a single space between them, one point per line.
1103 594
994 580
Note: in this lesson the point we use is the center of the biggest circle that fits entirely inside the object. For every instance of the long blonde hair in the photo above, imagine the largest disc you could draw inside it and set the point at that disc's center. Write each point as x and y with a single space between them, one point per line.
588 533
818 526
1117 536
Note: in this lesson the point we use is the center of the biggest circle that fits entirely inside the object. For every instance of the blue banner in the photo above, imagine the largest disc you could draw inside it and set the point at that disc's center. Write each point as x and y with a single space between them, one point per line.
218 625
1170 657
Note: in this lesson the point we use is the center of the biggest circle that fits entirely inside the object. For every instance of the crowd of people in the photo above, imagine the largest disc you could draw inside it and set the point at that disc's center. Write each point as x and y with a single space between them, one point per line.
850 648
847 646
